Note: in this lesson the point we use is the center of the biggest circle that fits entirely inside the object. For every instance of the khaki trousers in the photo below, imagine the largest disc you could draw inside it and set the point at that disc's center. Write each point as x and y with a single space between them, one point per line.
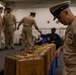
9 36
26 37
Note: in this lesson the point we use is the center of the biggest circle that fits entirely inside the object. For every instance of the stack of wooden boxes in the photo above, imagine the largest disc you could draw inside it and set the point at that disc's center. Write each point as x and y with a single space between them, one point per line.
35 61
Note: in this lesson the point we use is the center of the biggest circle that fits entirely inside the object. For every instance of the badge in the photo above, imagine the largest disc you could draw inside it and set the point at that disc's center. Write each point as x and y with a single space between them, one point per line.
69 37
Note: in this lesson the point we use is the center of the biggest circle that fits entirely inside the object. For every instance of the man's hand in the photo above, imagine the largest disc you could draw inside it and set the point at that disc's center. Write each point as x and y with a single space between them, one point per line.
17 28
57 53
40 32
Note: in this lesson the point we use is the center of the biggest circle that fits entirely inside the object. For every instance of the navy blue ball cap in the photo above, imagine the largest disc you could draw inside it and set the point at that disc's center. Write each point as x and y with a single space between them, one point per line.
58 8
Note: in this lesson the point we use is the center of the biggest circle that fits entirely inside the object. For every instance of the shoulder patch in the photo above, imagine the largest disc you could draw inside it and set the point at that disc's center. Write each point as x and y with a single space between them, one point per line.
69 37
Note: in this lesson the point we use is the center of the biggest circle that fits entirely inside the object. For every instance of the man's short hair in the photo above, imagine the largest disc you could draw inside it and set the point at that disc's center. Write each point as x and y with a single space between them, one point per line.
9 8
53 29
32 13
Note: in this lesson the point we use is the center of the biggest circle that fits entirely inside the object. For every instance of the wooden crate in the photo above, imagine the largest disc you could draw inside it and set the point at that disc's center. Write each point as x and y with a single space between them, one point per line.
37 63
48 56
10 66
30 67
53 49
10 62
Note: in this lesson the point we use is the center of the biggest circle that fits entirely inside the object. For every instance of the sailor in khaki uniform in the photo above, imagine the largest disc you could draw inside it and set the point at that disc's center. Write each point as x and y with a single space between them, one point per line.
9 21
28 22
64 15
1 8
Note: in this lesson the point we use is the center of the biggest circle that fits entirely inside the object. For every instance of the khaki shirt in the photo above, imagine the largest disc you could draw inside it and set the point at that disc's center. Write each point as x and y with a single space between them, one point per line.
70 44
28 21
9 20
